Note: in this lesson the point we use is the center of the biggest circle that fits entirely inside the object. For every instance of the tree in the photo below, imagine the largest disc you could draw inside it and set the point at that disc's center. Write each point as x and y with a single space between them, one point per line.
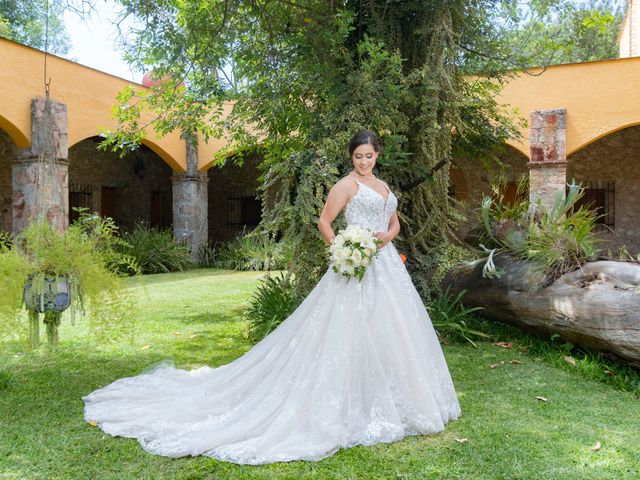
564 32
308 74
25 21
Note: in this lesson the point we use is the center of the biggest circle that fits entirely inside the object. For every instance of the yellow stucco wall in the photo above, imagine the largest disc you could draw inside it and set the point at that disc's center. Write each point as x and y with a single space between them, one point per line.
89 95
600 97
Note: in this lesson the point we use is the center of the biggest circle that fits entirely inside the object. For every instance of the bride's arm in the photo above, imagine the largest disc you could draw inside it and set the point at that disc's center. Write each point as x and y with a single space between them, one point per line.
337 199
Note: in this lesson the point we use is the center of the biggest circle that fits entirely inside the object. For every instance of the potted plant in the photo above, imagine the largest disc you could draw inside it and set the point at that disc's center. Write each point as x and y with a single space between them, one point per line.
47 272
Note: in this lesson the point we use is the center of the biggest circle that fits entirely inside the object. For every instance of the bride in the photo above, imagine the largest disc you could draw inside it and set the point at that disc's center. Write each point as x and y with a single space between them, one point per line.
357 363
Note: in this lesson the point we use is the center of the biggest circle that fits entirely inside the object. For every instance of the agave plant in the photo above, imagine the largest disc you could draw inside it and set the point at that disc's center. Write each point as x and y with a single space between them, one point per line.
558 239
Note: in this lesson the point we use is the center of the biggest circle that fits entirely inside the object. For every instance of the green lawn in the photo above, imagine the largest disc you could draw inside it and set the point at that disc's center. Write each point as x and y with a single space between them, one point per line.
194 318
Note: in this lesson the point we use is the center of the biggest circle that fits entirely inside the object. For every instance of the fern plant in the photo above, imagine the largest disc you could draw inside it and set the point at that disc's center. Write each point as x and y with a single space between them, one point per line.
273 301
40 254
252 251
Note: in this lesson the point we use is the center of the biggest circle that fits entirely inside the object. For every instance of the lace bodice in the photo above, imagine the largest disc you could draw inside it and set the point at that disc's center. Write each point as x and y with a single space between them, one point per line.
369 209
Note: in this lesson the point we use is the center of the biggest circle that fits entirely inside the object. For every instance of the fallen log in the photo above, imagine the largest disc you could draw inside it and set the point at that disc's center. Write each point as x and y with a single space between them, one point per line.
597 306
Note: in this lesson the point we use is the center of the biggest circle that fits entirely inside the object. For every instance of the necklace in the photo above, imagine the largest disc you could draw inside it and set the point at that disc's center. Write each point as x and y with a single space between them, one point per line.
372 177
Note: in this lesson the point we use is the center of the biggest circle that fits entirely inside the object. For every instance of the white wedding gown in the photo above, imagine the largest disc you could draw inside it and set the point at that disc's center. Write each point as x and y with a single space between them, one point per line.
357 363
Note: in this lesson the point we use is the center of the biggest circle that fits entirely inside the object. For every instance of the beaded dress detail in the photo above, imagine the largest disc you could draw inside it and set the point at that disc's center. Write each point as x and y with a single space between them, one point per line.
357 363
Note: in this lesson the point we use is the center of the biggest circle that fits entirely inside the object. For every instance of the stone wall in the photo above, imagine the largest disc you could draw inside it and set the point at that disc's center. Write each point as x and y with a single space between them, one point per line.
548 167
616 158
134 178
40 171
226 185
6 188
471 181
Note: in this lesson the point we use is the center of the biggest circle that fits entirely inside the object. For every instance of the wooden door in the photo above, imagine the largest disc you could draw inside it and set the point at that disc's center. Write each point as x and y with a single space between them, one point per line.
108 203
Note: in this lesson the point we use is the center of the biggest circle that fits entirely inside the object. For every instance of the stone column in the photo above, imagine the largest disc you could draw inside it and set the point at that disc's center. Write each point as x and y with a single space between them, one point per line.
41 172
190 203
548 165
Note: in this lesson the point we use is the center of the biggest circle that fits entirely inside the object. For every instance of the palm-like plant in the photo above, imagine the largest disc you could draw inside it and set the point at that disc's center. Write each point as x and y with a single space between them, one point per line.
451 317
273 302
558 239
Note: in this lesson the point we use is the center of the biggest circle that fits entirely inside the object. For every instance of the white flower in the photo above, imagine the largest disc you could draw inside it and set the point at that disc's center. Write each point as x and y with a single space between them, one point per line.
356 256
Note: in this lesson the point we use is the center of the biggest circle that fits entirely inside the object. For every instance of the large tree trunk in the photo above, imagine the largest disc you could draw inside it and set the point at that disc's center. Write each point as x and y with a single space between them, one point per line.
597 306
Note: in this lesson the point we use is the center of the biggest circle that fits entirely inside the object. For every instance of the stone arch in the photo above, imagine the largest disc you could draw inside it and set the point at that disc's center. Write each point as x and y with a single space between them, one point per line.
233 201
153 146
479 178
610 169
134 188
7 145
20 138
604 134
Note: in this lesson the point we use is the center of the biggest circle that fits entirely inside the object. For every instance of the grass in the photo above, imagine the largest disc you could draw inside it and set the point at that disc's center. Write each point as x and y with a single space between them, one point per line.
194 318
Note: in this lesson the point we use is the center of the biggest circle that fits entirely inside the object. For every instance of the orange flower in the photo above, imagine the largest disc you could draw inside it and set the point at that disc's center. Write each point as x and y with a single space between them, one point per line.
403 257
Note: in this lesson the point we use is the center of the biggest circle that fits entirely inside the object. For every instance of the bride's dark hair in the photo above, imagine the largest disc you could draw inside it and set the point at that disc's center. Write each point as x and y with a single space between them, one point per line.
363 137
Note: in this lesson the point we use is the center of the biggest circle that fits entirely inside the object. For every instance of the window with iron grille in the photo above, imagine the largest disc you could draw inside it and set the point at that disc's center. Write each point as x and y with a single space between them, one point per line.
80 196
244 210
600 196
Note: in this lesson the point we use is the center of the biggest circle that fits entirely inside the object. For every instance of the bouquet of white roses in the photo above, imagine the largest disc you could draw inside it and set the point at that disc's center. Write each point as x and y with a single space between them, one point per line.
352 251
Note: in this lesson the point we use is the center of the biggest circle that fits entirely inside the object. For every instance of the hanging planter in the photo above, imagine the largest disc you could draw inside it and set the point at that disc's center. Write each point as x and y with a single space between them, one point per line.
49 272
47 293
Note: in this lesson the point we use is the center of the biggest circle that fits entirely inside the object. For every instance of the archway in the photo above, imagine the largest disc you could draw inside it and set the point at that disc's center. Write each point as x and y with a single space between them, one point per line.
471 181
234 207
609 169
132 189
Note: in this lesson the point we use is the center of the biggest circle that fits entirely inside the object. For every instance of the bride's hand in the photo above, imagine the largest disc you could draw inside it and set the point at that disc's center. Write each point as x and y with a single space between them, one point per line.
385 237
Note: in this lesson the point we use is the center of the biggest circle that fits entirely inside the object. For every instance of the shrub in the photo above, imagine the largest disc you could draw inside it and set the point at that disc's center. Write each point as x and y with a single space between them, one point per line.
252 251
273 302
451 318
444 258
155 250
210 254
104 233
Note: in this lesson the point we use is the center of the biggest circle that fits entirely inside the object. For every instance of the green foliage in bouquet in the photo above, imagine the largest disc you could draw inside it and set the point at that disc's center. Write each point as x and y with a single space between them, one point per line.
273 302
558 239
39 254
352 250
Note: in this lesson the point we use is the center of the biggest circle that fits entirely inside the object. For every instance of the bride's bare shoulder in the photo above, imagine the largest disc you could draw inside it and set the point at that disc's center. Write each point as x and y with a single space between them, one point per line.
345 185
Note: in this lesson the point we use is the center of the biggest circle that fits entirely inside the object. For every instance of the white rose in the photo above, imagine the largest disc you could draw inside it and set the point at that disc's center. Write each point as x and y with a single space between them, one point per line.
356 257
